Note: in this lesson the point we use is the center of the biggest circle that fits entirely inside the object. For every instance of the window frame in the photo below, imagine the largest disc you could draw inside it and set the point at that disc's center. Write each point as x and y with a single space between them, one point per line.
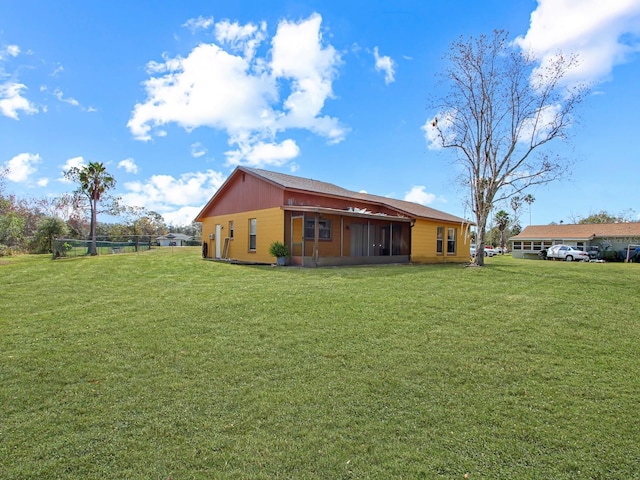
253 234
440 240
231 229
325 233
451 241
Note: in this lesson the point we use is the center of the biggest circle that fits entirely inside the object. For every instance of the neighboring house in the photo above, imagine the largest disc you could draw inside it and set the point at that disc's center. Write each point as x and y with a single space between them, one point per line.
323 224
604 236
173 240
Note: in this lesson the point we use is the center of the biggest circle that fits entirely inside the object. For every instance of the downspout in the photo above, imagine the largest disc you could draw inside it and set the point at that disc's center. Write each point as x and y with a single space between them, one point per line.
316 235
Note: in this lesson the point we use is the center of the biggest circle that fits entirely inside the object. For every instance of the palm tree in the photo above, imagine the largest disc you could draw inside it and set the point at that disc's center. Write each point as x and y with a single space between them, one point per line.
529 199
94 181
502 220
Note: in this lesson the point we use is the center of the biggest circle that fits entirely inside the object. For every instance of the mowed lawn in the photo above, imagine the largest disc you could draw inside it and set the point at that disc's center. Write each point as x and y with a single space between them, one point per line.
162 365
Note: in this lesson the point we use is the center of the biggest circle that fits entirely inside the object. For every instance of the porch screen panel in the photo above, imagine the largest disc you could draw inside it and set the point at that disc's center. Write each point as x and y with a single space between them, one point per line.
358 240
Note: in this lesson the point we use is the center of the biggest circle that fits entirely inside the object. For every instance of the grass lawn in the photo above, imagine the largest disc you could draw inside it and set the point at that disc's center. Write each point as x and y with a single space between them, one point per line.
160 365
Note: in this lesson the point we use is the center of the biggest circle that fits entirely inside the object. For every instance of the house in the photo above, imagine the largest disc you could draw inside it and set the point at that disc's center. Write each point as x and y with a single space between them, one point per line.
588 236
323 224
173 240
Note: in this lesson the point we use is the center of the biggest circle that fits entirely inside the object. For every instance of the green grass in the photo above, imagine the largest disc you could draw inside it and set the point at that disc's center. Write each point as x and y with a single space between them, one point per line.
160 364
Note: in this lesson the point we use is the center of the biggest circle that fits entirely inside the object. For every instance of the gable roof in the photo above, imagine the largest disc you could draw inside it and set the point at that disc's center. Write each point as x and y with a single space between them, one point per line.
174 236
292 182
585 231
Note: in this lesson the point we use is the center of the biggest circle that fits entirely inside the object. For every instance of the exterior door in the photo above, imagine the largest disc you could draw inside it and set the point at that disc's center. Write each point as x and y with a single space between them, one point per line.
297 239
218 238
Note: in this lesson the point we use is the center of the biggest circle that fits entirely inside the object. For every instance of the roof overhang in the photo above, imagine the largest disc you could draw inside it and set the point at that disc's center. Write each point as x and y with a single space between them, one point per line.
346 213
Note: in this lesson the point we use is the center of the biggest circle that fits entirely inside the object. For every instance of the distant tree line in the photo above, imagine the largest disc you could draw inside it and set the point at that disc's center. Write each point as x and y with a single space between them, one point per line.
28 225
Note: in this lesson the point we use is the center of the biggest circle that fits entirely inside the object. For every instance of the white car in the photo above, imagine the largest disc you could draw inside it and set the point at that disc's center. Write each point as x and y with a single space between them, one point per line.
472 250
566 252
489 251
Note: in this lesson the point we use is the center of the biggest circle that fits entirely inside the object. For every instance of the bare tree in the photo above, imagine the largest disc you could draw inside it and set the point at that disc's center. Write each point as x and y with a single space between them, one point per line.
499 113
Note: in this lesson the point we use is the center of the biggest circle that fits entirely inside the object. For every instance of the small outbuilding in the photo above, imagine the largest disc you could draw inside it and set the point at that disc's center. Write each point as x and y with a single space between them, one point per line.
323 224
173 240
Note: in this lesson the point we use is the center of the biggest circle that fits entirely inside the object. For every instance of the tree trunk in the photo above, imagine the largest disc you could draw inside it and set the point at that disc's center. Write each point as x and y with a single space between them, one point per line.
94 249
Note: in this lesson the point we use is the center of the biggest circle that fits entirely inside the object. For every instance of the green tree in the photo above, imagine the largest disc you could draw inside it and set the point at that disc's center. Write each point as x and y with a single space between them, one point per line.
48 228
94 181
604 217
501 109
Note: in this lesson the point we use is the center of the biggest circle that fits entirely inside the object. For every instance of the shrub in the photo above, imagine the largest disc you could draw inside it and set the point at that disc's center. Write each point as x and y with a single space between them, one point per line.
278 249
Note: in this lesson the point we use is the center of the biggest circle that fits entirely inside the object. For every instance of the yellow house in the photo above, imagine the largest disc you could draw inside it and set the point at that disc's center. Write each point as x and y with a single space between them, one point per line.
323 224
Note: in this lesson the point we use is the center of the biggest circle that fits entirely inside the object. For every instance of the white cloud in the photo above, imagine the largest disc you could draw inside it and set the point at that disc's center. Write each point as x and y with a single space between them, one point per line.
59 68
22 166
181 216
71 101
200 23
11 50
417 194
298 54
174 197
385 64
259 154
197 150
209 87
240 93
43 182
441 124
602 34
242 38
12 101
129 165
75 162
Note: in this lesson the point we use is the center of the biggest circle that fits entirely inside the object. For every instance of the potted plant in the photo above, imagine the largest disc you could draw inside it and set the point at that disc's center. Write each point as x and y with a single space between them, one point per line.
280 251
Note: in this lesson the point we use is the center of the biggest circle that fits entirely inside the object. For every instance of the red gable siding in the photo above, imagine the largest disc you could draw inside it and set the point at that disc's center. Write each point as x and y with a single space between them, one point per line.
244 192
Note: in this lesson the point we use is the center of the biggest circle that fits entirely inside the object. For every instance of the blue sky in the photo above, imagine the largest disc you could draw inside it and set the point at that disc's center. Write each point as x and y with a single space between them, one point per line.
172 96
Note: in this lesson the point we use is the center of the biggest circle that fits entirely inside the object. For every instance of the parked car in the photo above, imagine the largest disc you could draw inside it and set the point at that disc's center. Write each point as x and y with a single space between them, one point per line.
500 250
489 251
472 250
566 252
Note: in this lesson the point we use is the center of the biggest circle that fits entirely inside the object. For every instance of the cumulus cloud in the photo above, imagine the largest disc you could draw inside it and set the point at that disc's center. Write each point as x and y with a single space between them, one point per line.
200 23
437 128
241 38
9 50
129 165
12 101
75 162
172 197
602 34
418 194
385 64
260 153
21 167
226 86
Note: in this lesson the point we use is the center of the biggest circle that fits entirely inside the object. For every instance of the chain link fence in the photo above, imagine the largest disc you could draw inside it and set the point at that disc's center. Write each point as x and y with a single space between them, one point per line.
74 247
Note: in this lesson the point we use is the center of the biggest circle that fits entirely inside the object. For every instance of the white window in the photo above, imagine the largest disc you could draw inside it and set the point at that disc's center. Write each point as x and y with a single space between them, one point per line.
252 234
451 240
